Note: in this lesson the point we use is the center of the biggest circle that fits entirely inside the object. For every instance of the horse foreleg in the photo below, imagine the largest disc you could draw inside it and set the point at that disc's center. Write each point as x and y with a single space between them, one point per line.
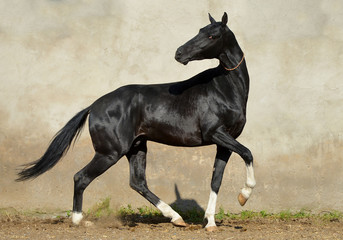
249 185
84 177
222 138
137 160
220 162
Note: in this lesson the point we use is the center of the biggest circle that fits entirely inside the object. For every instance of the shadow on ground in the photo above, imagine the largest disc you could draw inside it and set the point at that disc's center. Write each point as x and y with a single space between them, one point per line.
189 209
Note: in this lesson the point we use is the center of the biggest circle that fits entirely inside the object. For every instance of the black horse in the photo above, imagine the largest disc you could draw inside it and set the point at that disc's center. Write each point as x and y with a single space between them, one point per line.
209 108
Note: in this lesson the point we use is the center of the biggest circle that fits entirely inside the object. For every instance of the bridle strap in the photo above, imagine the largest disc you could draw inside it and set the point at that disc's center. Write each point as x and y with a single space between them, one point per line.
234 68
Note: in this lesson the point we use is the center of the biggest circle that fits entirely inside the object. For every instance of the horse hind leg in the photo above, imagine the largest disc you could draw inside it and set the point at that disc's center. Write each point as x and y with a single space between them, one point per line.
137 160
99 164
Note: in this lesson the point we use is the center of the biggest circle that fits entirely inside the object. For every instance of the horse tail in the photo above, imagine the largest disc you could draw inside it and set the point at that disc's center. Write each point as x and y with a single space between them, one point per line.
58 147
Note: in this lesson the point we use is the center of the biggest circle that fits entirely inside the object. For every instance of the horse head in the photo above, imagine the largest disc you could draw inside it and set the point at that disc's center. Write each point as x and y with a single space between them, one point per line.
209 43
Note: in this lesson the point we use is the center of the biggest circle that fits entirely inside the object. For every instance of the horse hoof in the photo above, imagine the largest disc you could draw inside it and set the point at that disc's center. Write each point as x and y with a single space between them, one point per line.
76 218
211 229
241 199
180 223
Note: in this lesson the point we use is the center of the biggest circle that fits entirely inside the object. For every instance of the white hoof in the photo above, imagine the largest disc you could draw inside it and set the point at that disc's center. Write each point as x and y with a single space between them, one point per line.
76 218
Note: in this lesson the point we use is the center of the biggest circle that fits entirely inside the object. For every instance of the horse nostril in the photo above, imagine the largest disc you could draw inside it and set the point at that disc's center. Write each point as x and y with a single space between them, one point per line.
178 53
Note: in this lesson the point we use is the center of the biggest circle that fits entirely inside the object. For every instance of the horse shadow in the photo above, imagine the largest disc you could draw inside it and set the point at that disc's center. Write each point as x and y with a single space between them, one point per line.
185 204
189 210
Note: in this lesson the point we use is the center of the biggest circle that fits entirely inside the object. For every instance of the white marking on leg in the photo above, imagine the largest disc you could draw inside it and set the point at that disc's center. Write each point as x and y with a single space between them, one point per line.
167 211
211 210
76 218
250 183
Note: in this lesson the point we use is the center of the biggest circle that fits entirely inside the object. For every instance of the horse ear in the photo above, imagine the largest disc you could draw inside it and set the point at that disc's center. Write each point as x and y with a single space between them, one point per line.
224 19
211 19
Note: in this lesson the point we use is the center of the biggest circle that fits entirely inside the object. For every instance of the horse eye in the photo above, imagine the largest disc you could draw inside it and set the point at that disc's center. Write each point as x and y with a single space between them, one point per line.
213 37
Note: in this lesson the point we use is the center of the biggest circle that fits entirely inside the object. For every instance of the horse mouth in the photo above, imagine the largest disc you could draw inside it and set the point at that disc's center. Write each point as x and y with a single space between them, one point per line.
183 61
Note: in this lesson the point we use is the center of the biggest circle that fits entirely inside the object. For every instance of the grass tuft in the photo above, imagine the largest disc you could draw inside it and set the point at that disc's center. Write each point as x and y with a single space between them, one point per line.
333 216
125 211
221 215
101 209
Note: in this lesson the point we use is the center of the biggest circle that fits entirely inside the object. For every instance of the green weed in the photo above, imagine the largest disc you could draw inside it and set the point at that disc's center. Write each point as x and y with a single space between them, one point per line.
221 214
332 216
284 215
125 211
248 215
287 215
264 214
101 209
69 213
147 212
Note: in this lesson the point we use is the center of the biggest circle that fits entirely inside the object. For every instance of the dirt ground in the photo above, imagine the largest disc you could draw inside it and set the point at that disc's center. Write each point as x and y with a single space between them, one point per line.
23 227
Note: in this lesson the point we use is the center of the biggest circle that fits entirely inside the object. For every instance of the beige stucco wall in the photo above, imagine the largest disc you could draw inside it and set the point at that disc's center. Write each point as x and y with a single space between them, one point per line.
57 57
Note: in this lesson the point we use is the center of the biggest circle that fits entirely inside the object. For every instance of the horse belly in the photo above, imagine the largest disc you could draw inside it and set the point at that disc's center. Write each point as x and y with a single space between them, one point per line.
179 133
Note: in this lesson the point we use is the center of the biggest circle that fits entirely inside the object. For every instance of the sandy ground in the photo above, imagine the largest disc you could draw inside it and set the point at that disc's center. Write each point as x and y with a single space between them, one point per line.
24 227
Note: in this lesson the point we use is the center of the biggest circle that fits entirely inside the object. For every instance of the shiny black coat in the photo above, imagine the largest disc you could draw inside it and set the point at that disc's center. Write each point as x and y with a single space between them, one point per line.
181 114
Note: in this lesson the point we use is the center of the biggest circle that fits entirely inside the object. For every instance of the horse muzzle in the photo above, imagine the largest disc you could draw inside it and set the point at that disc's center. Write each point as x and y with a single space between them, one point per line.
180 56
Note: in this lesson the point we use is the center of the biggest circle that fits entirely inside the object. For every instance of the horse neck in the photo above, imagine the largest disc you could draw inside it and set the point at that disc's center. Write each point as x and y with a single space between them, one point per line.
230 58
